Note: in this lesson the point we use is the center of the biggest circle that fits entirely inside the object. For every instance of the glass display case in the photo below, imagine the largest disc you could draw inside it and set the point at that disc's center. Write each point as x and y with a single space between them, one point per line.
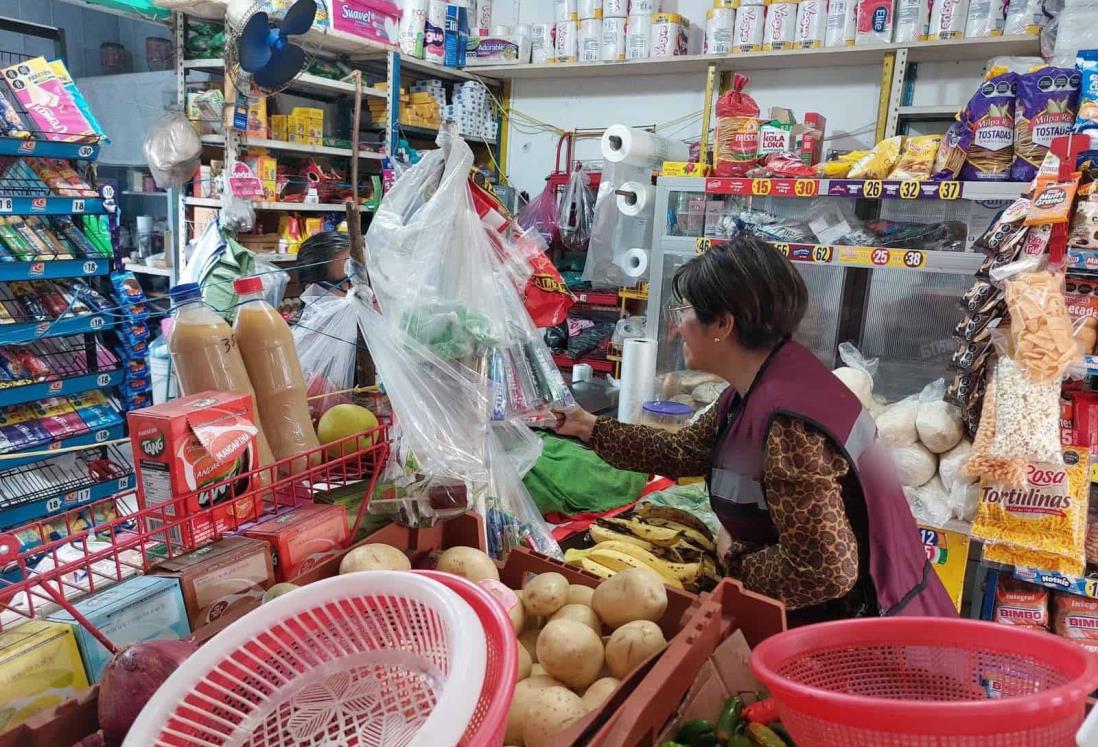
885 262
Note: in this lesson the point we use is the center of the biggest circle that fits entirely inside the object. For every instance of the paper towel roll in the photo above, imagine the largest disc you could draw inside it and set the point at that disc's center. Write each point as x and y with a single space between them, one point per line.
638 377
634 263
412 26
621 144
637 198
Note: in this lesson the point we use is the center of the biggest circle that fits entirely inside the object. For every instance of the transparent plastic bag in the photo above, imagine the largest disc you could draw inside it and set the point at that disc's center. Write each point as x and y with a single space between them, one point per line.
173 150
326 336
541 214
577 212
512 518
858 373
237 213
274 279
612 232
522 445
937 422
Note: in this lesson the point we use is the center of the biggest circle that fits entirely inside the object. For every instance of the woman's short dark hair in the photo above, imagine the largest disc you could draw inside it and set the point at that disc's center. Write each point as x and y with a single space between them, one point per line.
750 280
316 251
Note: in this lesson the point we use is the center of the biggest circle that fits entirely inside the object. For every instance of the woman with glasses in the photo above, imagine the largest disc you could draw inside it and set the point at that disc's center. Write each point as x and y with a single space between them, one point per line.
812 512
321 260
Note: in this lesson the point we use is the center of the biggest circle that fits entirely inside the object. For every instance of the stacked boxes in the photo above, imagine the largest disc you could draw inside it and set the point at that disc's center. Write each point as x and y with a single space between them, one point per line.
422 106
473 110
306 125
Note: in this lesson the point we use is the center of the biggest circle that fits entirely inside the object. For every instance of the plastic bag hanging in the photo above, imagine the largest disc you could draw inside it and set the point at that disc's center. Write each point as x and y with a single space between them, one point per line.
577 210
173 150
542 214
326 338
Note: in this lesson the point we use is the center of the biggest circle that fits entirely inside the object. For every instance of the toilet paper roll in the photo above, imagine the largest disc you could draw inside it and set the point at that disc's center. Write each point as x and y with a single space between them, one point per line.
498 31
635 198
482 14
621 144
582 372
615 8
589 8
638 377
638 37
412 27
433 48
566 10
634 263
541 42
589 38
613 40
567 41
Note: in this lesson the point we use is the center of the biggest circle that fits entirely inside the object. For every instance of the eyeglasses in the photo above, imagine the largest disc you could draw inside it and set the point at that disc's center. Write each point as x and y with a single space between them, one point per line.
678 314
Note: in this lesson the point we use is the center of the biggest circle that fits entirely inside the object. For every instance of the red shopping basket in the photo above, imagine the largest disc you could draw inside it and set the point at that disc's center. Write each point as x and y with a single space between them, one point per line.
926 682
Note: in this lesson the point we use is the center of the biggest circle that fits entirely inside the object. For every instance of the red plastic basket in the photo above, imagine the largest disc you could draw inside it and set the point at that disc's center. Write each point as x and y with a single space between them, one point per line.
488 725
926 682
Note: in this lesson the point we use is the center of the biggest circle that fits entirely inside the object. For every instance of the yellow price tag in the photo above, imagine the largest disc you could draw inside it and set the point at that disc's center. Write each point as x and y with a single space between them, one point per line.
806 187
949 190
914 259
701 246
1090 587
909 189
872 189
783 248
822 253
761 187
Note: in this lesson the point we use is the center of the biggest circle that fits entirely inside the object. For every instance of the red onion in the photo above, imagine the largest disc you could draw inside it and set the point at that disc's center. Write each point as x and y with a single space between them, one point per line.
131 678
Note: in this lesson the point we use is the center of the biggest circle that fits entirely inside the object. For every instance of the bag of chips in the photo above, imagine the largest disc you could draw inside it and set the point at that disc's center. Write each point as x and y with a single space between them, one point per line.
1044 109
878 162
1019 603
1086 61
989 115
952 151
918 157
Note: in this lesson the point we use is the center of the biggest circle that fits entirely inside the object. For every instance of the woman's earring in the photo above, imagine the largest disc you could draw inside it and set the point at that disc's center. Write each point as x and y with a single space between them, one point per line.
716 339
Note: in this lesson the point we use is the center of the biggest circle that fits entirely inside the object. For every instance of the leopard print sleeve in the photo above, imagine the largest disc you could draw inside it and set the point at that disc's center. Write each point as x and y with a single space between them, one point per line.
816 557
640 448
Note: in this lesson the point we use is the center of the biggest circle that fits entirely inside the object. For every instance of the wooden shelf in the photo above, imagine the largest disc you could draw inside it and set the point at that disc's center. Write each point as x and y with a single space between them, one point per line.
303 82
140 269
285 147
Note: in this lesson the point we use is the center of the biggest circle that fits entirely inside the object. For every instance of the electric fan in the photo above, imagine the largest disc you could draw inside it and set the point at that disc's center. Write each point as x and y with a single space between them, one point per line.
260 56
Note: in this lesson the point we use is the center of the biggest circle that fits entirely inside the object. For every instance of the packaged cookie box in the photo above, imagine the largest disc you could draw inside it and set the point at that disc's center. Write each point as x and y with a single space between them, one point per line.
142 608
223 580
40 667
303 538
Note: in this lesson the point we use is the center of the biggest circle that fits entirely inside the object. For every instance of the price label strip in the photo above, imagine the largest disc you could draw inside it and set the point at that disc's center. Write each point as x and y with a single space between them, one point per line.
877 256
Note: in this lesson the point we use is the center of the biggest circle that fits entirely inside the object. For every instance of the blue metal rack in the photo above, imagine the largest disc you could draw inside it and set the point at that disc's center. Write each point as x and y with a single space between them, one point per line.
23 332
52 206
54 269
98 436
33 510
15 395
10 146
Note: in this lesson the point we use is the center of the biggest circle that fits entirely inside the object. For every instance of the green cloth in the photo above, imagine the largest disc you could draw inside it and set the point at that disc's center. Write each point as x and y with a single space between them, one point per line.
570 479
236 261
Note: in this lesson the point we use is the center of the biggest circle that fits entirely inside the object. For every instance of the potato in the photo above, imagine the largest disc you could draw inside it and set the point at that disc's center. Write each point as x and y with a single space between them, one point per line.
537 670
571 652
599 691
545 594
548 713
525 663
632 594
469 563
578 594
374 557
524 693
508 599
529 641
631 644
580 613
518 614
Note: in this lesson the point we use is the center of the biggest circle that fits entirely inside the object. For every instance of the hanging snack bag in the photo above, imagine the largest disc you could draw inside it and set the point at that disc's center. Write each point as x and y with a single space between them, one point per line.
737 147
1086 62
918 157
1052 200
1044 109
989 115
1084 225
952 152
1019 603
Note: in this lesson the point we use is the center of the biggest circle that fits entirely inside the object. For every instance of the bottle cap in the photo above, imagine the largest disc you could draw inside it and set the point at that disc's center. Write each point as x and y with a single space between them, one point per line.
247 286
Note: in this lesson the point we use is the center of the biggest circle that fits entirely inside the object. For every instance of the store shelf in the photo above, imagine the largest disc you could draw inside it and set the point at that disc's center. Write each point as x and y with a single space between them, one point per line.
51 205
869 54
944 111
36 508
10 146
13 393
872 257
137 193
140 269
53 269
285 147
1080 585
886 189
20 332
40 453
422 68
304 82
432 133
287 207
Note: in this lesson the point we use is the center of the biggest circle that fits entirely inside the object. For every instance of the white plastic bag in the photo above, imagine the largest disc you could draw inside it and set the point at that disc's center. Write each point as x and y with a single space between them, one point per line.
937 422
857 374
577 212
173 150
326 338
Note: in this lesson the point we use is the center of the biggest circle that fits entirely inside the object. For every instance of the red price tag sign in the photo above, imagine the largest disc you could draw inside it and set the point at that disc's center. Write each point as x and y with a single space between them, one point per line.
879 257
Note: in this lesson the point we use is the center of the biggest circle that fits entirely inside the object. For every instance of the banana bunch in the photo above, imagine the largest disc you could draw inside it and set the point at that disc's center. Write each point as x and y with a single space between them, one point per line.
674 543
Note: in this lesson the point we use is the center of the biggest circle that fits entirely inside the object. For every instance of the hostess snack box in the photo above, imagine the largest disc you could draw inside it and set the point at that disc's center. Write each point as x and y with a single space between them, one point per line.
39 668
303 538
194 446
142 608
222 580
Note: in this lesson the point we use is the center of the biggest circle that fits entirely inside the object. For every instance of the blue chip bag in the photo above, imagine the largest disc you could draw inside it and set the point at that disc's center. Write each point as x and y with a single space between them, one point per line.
1086 61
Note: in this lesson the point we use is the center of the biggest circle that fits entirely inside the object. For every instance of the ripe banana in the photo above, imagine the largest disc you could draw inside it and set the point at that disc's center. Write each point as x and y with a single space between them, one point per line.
669 513
656 535
680 571
600 533
574 555
693 535
619 561
597 568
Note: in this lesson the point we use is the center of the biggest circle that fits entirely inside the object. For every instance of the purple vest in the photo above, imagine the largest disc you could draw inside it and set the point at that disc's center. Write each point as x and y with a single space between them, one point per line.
793 382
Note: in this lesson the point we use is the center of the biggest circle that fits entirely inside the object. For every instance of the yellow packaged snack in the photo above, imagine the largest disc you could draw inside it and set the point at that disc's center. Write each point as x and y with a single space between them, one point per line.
918 158
839 167
1041 524
879 161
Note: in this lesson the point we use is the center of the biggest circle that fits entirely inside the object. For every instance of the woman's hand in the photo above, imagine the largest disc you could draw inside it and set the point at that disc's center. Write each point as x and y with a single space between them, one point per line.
575 421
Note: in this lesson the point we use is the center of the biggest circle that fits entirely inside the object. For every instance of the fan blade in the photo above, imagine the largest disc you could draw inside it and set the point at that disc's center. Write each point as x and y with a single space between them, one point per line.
284 65
299 18
252 46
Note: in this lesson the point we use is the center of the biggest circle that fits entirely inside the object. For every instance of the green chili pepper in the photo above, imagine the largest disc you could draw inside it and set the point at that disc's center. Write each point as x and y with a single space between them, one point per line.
740 740
729 719
779 729
764 736
697 733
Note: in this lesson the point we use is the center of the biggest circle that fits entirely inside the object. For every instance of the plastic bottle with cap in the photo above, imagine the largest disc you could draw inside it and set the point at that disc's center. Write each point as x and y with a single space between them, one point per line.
267 346
205 355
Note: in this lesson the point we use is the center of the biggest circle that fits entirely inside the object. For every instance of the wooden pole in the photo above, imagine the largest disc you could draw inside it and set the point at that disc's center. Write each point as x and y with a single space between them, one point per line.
354 215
